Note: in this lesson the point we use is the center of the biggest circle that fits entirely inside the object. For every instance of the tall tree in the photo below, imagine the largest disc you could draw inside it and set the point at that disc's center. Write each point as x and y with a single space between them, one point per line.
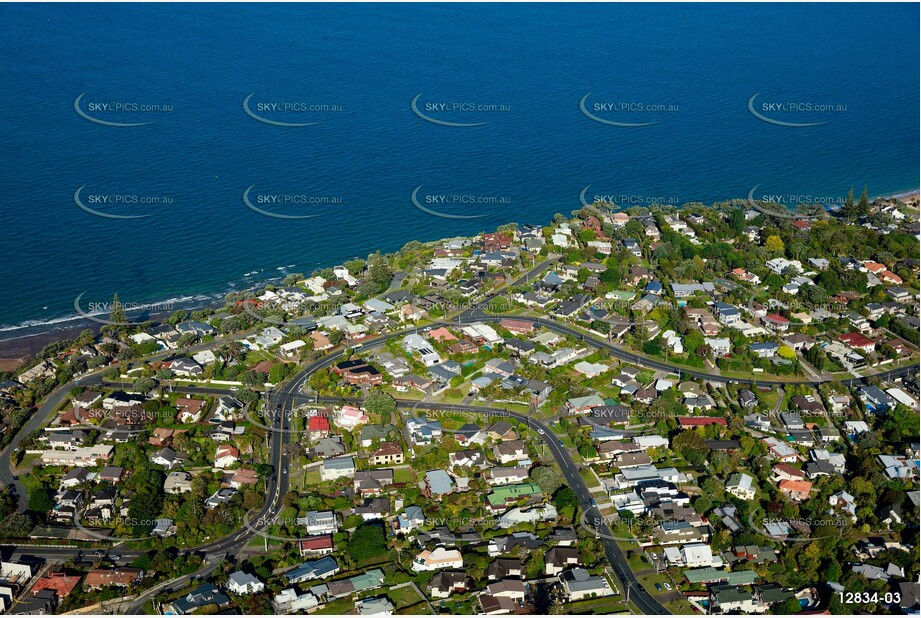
117 315
863 206
848 210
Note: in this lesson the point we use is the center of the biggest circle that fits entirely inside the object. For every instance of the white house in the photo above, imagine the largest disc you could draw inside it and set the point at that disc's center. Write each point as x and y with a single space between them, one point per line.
741 486
438 559
244 583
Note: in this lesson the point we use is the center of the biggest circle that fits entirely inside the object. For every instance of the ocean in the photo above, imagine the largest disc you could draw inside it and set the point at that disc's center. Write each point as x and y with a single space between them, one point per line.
156 211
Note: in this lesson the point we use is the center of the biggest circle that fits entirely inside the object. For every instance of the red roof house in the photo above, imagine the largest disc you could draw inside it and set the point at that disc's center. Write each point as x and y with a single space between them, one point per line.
689 422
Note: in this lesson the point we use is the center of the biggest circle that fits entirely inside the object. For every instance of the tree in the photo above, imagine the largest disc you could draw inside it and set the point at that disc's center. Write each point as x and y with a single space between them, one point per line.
547 478
277 372
380 403
39 500
787 352
16 525
564 497
692 446
863 206
737 220
8 502
117 315
774 244
144 385
849 211
368 541
790 606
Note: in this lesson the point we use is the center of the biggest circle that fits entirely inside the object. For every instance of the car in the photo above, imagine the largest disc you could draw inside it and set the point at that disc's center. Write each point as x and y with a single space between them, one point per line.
234 388
561 443
191 387
658 586
115 557
540 431
592 502
667 585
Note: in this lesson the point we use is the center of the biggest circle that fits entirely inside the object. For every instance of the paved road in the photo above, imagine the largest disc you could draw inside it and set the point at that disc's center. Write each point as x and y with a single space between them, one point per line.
45 411
290 395
645 361
133 607
643 600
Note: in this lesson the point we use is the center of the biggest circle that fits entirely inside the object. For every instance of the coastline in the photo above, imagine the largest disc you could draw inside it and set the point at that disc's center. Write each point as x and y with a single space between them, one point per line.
913 195
27 339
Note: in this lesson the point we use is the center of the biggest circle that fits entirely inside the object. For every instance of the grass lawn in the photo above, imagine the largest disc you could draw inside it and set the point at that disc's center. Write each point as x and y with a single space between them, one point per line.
403 475
588 477
404 597
415 610
312 476
27 461
636 560
338 607
446 399
649 582
769 398
604 605
680 606
608 391
30 482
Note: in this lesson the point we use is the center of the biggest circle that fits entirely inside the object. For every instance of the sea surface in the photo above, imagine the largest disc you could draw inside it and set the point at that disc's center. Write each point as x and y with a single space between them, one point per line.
515 73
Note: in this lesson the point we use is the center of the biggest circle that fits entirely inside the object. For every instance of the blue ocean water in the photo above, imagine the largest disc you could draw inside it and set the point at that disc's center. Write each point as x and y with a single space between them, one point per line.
364 64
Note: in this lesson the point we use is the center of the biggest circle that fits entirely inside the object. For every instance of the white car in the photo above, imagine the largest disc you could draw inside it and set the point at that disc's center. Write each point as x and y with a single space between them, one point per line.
540 431
667 585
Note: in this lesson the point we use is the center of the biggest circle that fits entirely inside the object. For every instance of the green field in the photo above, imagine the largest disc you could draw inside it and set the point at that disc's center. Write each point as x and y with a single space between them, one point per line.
404 597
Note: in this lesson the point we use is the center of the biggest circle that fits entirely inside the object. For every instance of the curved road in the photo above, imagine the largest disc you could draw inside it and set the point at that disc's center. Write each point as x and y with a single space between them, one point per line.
289 395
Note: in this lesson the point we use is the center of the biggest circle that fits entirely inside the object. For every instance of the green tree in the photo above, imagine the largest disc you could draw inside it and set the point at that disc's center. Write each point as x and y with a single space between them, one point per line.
863 206
848 210
380 403
547 478
564 497
737 220
368 541
144 385
774 244
117 315
277 372
39 499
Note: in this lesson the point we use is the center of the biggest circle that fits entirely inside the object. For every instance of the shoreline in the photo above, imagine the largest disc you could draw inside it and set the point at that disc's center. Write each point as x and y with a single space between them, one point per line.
30 337
915 193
